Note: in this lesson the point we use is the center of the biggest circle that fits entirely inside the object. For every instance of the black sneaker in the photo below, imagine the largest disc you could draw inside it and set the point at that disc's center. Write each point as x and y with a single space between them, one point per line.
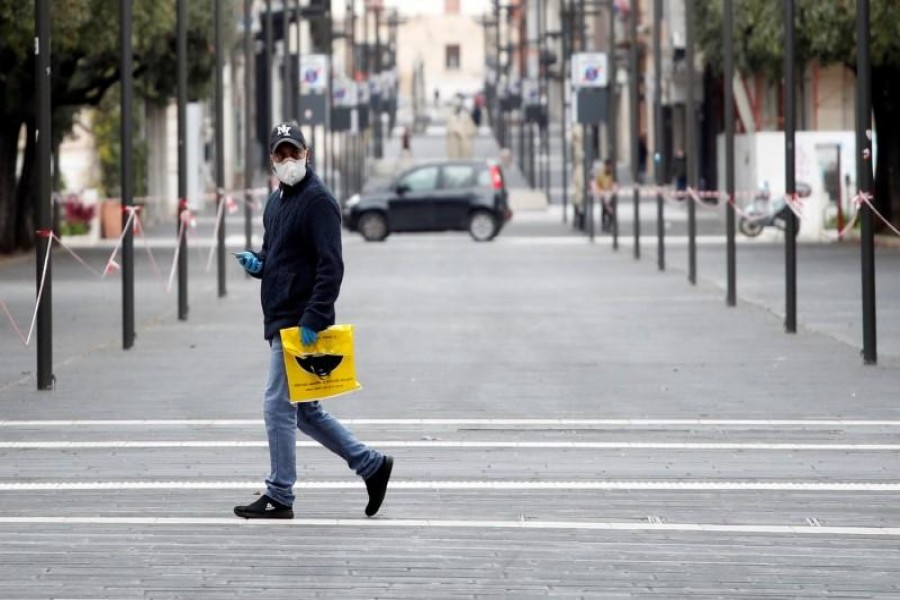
376 485
265 508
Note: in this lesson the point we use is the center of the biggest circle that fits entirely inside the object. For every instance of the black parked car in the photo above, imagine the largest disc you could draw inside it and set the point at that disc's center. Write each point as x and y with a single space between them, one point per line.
459 195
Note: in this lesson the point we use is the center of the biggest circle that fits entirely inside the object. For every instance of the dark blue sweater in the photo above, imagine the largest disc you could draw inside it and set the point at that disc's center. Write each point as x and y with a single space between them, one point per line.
301 255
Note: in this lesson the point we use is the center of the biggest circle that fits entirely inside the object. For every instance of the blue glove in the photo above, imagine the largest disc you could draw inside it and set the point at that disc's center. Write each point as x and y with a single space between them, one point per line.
307 336
249 261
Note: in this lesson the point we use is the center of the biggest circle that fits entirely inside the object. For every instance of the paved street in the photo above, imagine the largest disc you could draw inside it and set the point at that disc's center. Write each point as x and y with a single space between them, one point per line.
566 422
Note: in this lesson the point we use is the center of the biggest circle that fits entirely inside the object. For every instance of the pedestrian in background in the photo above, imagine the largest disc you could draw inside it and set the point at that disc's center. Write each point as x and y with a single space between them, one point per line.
679 170
301 268
642 158
601 187
460 132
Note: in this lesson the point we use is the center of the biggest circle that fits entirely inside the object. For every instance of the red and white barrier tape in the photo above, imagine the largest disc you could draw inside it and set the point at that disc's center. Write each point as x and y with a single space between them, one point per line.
857 203
695 196
183 223
220 214
132 223
26 339
867 199
153 265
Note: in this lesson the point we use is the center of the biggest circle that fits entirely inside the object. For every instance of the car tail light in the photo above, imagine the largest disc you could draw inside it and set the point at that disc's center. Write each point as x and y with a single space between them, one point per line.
496 178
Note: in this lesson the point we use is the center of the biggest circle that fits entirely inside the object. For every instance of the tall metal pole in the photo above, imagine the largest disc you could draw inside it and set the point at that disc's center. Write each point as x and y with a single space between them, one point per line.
564 98
181 48
658 135
267 81
581 21
287 103
864 170
220 145
42 212
612 125
329 99
523 75
127 85
295 67
635 129
728 76
790 242
692 158
248 119
378 150
544 98
349 148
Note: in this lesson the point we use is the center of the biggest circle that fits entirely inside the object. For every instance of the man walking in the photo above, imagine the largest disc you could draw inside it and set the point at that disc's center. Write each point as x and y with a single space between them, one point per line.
301 269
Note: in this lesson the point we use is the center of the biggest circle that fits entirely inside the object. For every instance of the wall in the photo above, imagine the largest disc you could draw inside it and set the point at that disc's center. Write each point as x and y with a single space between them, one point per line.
425 37
760 158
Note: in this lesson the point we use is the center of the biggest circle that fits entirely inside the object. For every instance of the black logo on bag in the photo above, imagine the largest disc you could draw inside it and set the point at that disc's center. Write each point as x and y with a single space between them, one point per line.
320 365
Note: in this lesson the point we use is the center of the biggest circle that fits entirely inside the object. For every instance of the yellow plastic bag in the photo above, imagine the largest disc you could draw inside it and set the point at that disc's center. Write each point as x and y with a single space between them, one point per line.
321 370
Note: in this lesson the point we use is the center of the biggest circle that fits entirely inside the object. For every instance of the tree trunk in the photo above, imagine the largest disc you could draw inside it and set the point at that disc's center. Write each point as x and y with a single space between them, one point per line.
886 107
9 146
26 191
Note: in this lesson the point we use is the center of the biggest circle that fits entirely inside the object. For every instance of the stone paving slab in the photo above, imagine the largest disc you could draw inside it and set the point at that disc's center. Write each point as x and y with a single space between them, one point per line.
445 463
736 507
191 562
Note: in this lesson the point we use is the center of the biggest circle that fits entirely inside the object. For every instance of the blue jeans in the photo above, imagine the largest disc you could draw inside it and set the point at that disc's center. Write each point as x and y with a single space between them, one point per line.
282 421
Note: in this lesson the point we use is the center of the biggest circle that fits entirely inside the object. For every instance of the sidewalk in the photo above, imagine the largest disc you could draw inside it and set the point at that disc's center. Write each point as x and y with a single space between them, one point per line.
566 422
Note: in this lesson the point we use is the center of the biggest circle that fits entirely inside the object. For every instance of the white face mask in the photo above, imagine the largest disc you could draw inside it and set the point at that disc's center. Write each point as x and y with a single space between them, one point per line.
290 171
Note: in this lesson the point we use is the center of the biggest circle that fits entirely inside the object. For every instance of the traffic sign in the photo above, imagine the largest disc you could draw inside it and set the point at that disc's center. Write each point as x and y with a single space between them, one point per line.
590 69
313 73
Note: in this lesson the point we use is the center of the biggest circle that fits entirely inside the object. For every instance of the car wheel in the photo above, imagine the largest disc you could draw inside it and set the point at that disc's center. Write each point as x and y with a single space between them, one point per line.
750 228
482 226
372 226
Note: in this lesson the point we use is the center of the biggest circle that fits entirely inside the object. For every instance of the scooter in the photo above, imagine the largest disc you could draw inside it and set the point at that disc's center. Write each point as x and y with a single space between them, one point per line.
764 212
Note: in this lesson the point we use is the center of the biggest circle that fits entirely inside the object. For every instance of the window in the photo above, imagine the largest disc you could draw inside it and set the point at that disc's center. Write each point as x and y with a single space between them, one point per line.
458 176
421 179
452 57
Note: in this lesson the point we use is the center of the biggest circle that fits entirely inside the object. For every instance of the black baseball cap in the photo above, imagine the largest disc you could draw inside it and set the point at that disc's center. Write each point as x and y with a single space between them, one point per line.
286 133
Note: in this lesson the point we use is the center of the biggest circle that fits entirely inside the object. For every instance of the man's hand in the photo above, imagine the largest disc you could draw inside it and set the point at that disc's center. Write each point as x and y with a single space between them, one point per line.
249 261
307 336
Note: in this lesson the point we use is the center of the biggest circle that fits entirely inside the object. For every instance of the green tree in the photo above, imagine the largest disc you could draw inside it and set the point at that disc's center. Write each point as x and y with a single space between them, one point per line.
106 126
824 31
84 64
